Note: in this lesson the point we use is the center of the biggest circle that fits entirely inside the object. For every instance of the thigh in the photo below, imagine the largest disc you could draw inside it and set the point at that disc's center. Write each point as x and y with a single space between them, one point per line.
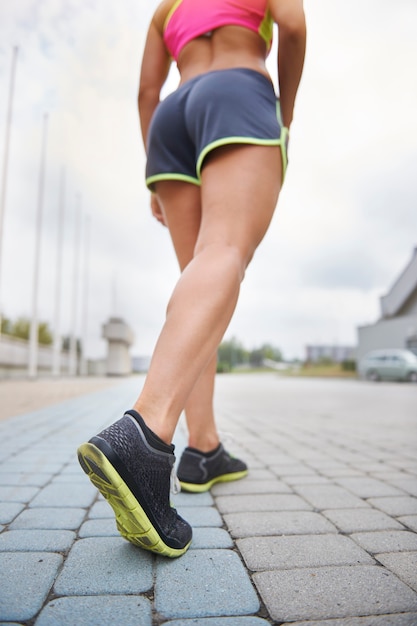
239 193
181 205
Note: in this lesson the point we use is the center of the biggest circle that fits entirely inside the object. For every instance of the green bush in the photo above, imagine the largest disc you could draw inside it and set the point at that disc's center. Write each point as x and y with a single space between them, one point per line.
349 366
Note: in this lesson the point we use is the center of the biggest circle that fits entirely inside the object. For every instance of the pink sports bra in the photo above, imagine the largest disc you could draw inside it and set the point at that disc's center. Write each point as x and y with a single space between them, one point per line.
189 19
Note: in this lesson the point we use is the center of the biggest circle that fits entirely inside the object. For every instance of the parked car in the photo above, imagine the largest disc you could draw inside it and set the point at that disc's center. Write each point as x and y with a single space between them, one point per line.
389 365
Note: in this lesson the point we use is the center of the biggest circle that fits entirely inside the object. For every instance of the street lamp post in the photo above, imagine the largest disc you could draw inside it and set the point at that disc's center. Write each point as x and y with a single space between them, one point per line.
5 169
33 336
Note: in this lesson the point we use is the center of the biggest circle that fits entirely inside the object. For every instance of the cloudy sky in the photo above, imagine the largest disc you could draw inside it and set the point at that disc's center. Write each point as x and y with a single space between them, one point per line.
346 222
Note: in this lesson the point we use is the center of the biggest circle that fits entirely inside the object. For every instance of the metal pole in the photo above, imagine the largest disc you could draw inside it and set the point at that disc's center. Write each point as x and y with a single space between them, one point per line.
86 269
5 169
73 339
33 336
56 358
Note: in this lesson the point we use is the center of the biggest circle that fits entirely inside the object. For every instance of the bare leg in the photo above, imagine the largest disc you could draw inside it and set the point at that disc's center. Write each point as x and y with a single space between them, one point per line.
183 221
239 192
199 411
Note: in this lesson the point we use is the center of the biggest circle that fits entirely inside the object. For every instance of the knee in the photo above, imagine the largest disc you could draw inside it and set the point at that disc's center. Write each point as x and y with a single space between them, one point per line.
228 257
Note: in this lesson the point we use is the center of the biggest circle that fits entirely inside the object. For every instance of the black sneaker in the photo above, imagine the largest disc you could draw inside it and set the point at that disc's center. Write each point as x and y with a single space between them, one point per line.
132 468
199 471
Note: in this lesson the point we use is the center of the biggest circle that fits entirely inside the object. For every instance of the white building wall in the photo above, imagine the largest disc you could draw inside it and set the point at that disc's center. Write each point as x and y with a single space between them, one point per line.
14 357
391 333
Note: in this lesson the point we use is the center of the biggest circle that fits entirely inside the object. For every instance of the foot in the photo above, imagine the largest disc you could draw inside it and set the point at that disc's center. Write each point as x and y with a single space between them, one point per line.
132 468
199 471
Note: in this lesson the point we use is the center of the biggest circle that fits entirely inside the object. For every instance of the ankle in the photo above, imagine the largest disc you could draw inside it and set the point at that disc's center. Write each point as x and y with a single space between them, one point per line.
159 427
152 437
204 443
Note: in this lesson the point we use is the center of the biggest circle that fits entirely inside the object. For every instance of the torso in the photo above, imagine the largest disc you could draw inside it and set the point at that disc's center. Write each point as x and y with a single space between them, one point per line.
217 48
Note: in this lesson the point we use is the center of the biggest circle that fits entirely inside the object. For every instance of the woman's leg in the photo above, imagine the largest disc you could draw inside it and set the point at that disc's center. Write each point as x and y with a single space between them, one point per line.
131 461
240 187
182 215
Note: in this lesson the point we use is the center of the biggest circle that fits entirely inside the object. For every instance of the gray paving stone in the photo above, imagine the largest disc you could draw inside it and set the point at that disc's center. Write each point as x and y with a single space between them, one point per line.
399 619
392 475
405 464
218 621
209 538
99 528
100 509
105 565
270 502
403 564
357 520
25 581
376 468
70 479
17 494
329 497
313 479
21 479
184 499
201 516
36 540
275 459
328 592
400 505
409 485
257 474
293 469
269 553
97 611
74 495
351 457
342 472
9 510
368 487
248 486
282 523
387 541
52 519
33 468
410 521
204 583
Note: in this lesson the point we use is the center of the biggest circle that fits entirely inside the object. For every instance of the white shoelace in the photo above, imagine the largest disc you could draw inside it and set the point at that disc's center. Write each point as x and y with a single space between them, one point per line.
175 486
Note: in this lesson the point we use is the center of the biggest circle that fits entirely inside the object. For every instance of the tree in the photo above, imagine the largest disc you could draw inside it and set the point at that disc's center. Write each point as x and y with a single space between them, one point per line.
66 344
230 354
266 351
44 334
21 328
6 326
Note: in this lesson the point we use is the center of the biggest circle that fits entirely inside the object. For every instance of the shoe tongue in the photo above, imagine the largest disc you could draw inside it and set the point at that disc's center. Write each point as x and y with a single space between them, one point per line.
151 437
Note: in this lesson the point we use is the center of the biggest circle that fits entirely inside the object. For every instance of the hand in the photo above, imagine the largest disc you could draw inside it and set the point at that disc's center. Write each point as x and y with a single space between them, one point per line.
157 210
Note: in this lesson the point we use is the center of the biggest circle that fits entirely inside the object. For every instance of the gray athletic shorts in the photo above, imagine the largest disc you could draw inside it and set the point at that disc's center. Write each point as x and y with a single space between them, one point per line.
233 106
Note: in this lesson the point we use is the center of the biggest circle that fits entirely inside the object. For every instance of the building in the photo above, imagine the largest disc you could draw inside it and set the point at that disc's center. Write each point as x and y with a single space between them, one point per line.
333 353
397 327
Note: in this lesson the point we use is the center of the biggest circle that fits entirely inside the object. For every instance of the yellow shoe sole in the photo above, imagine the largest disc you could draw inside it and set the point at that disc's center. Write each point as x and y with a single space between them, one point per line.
225 478
132 521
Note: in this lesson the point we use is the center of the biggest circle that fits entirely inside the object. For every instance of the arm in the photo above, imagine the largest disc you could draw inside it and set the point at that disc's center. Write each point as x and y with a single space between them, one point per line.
289 15
154 71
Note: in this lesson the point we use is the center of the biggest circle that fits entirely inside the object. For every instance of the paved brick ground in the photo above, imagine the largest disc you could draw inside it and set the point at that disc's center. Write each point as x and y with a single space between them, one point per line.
321 533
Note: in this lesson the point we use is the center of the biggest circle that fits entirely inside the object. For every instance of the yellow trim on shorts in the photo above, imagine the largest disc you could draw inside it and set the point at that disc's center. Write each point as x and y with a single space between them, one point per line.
227 141
151 180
